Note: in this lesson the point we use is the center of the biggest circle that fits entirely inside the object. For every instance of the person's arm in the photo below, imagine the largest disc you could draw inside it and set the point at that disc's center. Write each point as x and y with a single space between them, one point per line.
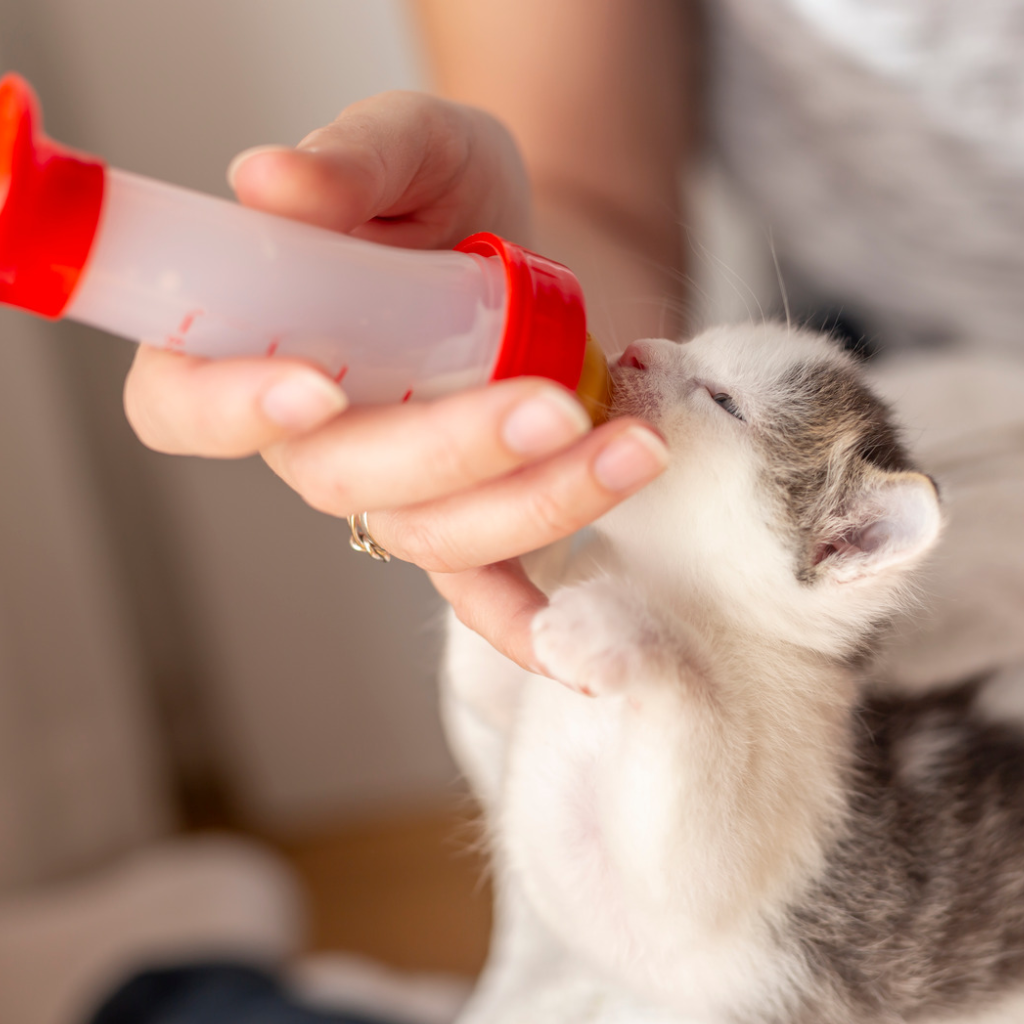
600 97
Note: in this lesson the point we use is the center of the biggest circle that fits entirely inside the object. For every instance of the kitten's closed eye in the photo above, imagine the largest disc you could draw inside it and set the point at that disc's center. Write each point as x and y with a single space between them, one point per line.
727 402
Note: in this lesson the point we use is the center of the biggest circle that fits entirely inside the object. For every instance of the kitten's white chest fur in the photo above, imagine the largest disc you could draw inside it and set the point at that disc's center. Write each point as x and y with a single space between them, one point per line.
600 935
646 899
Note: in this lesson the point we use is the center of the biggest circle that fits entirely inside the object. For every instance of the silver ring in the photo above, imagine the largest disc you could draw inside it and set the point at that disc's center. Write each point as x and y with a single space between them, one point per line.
362 539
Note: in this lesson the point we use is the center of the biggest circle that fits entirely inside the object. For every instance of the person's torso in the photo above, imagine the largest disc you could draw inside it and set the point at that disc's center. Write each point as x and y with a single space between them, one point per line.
883 143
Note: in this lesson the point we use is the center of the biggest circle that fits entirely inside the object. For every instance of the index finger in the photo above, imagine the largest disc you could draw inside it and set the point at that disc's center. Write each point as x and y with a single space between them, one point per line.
377 457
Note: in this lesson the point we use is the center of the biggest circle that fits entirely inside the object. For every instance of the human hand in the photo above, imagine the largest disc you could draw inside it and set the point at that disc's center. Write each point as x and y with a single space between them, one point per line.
460 486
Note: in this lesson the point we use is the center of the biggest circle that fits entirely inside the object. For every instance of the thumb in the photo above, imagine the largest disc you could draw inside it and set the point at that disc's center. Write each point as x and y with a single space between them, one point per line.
400 168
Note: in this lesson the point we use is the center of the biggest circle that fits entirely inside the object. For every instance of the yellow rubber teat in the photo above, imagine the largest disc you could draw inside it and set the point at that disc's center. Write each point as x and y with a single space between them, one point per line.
595 386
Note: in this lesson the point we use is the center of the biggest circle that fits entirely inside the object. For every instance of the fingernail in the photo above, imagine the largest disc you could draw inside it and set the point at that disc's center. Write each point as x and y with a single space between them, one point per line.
544 423
248 155
635 457
303 401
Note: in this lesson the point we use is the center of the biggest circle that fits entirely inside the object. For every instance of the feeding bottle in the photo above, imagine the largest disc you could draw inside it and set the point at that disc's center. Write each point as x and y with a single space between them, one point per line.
192 273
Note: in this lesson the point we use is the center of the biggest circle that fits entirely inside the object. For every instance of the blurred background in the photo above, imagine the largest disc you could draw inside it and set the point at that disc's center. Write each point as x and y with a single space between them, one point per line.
183 644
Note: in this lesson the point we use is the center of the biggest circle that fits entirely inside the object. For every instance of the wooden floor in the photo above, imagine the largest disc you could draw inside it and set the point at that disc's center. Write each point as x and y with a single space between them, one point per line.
409 891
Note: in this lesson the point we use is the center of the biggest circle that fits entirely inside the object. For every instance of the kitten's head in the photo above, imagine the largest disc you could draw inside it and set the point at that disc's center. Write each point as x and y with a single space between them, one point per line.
790 505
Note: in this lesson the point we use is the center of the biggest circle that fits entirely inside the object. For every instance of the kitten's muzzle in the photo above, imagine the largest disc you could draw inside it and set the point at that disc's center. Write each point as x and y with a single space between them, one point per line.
634 357
635 390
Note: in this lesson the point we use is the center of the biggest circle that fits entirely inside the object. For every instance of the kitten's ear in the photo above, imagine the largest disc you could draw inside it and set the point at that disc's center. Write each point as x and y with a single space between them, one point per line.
894 520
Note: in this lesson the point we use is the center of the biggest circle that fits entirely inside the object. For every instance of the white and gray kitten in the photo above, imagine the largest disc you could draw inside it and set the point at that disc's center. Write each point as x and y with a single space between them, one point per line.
715 820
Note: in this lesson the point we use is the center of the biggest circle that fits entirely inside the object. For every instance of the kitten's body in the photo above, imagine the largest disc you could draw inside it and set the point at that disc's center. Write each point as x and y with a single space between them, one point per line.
732 829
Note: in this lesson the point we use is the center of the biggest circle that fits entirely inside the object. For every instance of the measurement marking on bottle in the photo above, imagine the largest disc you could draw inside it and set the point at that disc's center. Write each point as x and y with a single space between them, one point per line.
190 319
177 340
340 375
407 395
273 347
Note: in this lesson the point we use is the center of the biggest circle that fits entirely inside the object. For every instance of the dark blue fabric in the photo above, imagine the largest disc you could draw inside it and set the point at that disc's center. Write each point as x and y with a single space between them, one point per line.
211 994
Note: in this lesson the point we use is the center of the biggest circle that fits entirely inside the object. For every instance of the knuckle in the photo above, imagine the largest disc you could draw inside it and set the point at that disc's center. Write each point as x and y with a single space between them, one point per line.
332 497
420 541
322 490
452 460
449 466
553 516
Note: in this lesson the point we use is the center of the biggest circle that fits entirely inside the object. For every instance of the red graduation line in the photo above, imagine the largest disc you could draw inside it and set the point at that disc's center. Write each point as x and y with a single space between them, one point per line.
190 319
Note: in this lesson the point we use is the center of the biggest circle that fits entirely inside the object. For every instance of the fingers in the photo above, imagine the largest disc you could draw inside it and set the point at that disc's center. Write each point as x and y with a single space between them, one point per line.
338 191
183 405
529 509
499 603
398 168
374 458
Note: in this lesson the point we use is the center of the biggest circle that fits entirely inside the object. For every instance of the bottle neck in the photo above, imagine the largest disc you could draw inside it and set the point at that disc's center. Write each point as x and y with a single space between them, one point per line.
595 387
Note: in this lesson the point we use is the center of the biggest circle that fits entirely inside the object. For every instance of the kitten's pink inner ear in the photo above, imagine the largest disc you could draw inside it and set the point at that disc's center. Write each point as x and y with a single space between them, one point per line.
893 522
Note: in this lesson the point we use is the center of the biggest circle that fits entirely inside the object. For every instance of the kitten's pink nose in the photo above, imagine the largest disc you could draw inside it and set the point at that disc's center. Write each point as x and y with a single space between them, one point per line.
634 357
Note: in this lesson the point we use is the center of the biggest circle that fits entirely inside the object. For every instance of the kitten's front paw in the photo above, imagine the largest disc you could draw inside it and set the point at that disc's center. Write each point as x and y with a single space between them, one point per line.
594 638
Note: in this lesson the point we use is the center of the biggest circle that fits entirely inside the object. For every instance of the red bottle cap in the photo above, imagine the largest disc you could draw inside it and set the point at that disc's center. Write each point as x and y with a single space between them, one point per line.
50 203
546 323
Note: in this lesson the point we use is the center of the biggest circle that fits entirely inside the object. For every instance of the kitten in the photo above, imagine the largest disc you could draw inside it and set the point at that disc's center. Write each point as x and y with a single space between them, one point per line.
715 819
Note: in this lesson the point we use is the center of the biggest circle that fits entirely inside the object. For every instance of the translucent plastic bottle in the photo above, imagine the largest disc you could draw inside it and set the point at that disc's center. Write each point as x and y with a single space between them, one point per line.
184 271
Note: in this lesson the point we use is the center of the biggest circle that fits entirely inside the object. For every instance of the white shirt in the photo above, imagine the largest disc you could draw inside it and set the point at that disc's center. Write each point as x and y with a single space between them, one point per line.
883 143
